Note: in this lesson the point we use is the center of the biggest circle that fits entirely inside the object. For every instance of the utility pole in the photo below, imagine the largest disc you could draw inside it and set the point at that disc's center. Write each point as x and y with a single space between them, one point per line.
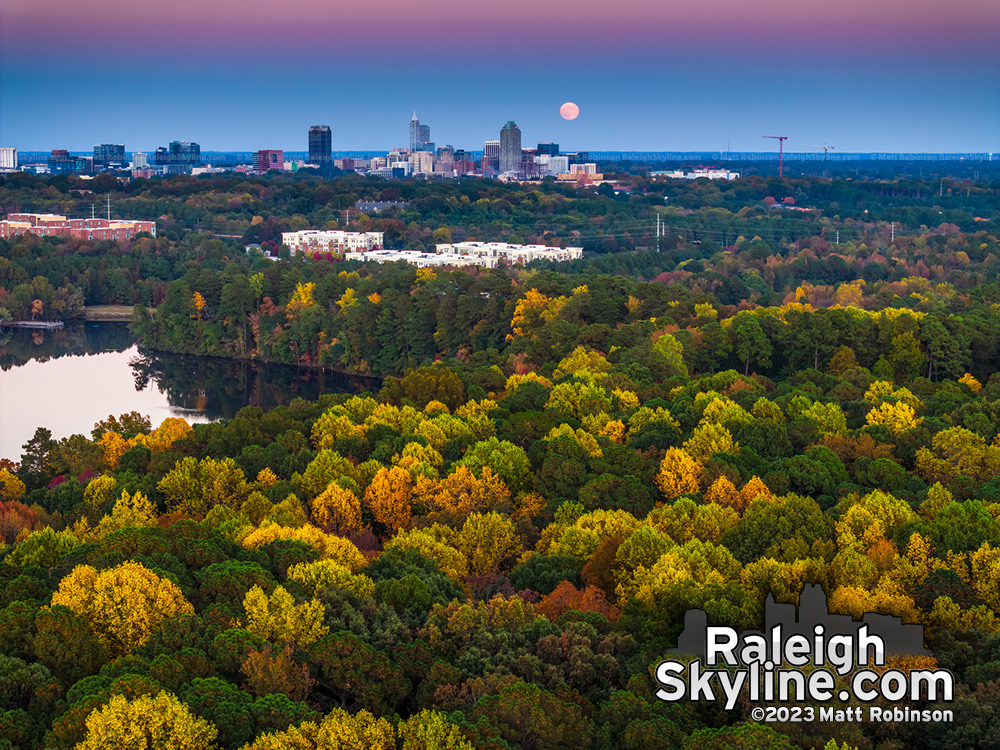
893 230
838 237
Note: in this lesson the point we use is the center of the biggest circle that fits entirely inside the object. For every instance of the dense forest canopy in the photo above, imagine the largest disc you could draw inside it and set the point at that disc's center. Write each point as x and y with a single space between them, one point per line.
496 546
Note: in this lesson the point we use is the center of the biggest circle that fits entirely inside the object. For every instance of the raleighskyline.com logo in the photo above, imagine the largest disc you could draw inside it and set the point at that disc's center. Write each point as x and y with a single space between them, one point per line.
811 656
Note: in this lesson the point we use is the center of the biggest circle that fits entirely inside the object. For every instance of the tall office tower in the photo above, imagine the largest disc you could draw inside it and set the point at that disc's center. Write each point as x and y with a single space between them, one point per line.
184 153
8 158
491 157
420 135
320 145
107 154
547 148
510 147
140 160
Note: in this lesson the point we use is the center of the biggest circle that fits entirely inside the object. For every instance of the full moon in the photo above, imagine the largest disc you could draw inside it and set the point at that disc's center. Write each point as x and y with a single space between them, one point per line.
569 111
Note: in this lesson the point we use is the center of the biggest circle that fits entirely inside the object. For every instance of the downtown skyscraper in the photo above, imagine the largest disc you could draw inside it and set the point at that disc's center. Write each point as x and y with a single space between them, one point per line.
510 147
420 136
320 145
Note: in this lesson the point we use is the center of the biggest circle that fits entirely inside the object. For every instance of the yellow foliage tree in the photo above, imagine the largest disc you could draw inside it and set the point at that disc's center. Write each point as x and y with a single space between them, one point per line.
339 730
329 546
347 299
125 605
723 492
130 510
881 390
946 614
842 361
974 385
753 489
582 538
489 543
984 572
528 313
160 722
461 492
315 576
170 431
886 599
114 446
899 417
304 294
709 439
516 379
958 451
679 474
337 510
938 498
430 730
278 618
431 543
583 364
389 497
332 426
195 487
99 491
198 305
695 563
11 488
872 518
685 520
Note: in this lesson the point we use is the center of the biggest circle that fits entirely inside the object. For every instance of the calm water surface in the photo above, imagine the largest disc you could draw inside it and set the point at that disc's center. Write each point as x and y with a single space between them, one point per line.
70 379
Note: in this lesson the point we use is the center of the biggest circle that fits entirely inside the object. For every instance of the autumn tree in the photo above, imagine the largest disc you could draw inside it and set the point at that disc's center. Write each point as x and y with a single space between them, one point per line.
679 474
723 492
197 305
430 730
11 488
339 730
268 673
489 543
337 510
279 619
159 722
462 492
389 497
125 605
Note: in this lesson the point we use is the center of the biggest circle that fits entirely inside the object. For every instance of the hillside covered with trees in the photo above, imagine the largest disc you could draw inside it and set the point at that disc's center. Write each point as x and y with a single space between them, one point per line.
496 546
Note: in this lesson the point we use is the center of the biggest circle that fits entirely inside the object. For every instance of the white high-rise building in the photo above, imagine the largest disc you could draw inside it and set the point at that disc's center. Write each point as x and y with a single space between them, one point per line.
8 158
139 160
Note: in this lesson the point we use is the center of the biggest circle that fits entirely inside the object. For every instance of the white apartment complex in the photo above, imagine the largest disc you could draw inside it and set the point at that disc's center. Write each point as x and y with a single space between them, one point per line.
506 254
483 254
711 173
331 241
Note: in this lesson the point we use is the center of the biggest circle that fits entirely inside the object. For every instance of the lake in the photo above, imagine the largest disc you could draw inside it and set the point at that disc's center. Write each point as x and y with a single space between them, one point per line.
69 379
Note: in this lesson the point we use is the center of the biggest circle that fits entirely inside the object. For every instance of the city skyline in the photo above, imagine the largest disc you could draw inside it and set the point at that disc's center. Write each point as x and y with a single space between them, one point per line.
874 76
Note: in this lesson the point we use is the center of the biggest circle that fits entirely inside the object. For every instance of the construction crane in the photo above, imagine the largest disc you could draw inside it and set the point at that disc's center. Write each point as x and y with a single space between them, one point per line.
781 144
826 148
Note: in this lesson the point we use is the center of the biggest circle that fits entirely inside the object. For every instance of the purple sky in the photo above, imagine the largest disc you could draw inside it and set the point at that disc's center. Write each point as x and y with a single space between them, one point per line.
862 75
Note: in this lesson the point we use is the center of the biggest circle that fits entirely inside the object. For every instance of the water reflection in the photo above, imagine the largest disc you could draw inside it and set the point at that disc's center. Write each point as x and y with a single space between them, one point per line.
18 346
69 379
221 387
